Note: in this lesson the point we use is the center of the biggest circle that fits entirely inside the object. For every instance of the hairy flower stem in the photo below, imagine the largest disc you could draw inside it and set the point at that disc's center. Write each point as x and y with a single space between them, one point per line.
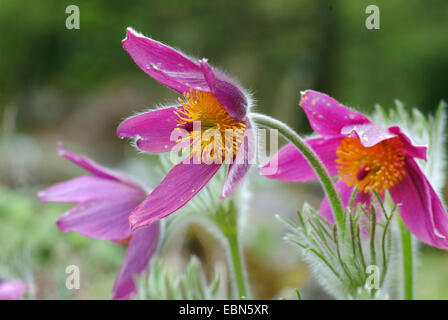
237 263
313 160
408 262
227 221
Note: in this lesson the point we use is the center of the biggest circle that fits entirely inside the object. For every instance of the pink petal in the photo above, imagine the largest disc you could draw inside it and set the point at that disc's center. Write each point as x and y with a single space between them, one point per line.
292 166
369 134
12 290
86 188
345 192
326 115
152 130
176 71
164 64
226 91
413 150
241 164
141 248
103 218
176 189
420 207
105 200
94 167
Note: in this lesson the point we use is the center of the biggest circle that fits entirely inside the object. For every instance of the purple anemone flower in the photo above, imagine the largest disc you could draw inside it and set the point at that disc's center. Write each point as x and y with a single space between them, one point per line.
211 100
368 157
104 201
12 289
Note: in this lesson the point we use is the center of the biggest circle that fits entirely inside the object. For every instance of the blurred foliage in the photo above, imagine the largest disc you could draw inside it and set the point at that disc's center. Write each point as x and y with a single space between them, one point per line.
432 278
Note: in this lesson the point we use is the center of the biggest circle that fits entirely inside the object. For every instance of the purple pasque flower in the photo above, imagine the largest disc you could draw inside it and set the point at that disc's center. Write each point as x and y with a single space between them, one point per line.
212 102
368 157
104 201
12 289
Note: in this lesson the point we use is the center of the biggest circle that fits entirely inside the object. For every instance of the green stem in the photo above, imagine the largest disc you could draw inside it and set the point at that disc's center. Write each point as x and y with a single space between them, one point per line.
226 220
238 265
408 262
310 155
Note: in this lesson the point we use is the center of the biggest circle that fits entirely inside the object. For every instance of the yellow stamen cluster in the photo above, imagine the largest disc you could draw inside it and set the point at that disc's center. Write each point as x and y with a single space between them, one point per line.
378 168
219 135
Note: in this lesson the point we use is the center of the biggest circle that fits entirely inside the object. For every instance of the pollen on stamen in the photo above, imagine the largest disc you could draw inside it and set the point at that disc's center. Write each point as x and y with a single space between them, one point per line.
209 142
378 168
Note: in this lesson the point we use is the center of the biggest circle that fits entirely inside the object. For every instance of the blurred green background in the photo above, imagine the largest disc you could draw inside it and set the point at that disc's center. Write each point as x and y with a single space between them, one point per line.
76 85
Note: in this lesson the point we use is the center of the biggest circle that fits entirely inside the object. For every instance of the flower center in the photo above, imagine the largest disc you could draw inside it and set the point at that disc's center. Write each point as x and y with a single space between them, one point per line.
213 134
378 168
